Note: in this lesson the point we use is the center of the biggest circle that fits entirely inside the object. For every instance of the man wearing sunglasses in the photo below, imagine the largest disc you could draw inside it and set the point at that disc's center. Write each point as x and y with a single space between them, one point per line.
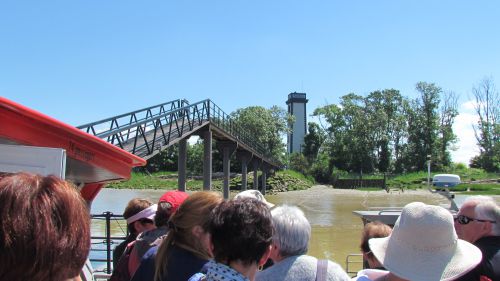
478 222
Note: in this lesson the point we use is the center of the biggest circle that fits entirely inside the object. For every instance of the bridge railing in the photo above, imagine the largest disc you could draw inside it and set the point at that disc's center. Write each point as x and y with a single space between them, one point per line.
124 122
226 122
143 132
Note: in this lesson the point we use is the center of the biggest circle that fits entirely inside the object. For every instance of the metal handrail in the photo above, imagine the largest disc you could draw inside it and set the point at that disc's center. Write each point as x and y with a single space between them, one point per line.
349 261
144 121
147 131
108 240
171 103
90 127
395 211
225 122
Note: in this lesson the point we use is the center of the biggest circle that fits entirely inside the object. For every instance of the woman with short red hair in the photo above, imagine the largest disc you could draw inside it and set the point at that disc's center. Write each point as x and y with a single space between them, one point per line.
44 229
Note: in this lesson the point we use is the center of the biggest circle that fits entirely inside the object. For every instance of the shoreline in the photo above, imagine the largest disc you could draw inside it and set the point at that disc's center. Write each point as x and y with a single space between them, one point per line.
314 187
328 189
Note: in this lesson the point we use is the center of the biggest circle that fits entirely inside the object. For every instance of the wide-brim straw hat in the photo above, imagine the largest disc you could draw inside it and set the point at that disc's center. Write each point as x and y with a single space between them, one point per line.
424 246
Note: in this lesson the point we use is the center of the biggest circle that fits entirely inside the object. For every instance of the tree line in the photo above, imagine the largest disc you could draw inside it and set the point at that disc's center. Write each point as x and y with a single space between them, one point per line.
387 132
383 132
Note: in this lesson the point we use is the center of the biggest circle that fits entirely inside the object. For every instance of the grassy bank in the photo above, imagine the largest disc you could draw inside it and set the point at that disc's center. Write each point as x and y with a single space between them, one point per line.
474 181
279 182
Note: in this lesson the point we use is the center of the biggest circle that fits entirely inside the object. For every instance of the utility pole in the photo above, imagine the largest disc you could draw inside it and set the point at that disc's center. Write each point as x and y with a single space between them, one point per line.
428 171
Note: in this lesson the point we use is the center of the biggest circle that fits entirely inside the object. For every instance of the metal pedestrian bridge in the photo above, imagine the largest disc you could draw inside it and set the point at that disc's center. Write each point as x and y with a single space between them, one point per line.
148 131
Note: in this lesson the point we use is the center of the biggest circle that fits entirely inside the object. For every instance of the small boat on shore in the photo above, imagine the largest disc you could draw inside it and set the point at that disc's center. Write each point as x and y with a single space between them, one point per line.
389 215
446 180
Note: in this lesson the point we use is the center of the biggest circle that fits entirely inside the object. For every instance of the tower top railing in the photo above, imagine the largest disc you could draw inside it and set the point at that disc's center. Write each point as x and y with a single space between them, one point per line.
296 95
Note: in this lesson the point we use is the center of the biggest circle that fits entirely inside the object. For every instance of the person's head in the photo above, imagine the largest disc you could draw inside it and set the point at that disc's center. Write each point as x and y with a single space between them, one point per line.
255 194
188 229
167 205
139 215
292 232
424 246
241 232
374 229
478 217
45 228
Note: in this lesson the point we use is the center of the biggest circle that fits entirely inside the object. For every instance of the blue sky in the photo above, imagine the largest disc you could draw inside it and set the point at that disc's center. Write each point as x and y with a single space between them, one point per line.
81 61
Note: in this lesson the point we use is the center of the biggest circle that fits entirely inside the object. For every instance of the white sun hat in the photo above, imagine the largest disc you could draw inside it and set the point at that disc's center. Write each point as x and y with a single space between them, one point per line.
255 194
424 246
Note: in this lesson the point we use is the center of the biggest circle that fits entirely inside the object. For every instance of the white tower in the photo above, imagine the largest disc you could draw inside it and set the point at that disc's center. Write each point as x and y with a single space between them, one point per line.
297 107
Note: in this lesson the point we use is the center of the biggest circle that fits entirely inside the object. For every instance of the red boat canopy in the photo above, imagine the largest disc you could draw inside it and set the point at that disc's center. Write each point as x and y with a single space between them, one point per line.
90 160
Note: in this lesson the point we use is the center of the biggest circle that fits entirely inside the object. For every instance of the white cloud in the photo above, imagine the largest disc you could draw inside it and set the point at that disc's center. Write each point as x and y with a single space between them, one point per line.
469 105
466 146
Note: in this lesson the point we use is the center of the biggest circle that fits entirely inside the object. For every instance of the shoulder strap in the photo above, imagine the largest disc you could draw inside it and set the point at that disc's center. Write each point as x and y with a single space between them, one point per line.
322 269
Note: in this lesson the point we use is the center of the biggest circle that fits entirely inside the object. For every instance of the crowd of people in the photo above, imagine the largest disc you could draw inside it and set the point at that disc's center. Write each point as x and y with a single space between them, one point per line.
45 235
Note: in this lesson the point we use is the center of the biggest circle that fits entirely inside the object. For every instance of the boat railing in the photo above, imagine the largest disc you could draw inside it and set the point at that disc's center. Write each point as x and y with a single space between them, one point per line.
353 264
103 244
385 208
381 212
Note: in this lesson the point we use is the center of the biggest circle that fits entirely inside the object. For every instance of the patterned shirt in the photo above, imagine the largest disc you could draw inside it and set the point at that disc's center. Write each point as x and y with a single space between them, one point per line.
219 272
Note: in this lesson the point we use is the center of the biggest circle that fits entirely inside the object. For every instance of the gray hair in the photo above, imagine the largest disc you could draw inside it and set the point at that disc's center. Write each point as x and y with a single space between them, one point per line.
486 208
292 230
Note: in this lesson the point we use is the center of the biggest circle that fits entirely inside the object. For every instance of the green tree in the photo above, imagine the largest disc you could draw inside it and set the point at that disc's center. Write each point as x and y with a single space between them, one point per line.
332 120
423 127
448 112
320 169
385 111
299 163
359 137
166 160
194 161
268 126
312 142
349 142
487 130
388 132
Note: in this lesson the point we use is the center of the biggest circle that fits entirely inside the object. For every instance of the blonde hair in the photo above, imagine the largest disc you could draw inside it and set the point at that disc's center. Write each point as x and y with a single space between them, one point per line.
194 211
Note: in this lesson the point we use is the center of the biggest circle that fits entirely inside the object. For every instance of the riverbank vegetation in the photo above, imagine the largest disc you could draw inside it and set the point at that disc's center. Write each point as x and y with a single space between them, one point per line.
382 133
474 181
386 133
278 182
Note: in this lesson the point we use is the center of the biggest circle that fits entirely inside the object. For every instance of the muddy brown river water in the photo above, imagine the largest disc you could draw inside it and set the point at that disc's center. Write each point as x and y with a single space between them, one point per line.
335 229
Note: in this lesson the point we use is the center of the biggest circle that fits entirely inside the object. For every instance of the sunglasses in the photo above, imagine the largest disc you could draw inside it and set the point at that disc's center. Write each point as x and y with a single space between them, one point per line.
461 219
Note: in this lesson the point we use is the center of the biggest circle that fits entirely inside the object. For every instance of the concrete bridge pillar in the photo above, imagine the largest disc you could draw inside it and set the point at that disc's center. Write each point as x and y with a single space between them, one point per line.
226 148
256 164
265 169
244 157
181 165
207 159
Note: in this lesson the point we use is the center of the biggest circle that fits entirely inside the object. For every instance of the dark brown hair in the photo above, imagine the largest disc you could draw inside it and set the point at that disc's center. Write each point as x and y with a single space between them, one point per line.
241 230
134 206
45 228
